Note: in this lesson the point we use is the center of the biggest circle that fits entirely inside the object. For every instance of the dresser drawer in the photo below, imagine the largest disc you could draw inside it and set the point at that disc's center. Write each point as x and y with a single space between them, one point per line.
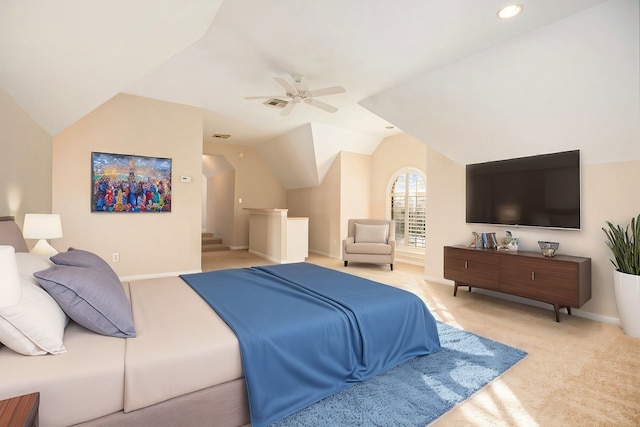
472 267
542 279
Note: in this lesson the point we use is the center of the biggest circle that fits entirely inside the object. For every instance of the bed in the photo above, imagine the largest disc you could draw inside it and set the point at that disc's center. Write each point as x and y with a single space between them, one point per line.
185 364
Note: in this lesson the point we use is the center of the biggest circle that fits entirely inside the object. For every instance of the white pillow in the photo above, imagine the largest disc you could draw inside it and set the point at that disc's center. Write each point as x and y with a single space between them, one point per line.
10 290
29 263
371 233
35 325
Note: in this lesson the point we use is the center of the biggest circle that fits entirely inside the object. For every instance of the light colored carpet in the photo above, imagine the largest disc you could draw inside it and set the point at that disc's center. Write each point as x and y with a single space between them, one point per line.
578 372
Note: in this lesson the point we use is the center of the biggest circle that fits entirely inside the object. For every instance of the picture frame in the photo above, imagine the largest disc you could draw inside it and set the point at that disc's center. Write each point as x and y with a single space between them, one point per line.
125 183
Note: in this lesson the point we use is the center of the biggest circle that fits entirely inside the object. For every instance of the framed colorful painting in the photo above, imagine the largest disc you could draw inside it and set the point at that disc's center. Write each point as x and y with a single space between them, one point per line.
128 183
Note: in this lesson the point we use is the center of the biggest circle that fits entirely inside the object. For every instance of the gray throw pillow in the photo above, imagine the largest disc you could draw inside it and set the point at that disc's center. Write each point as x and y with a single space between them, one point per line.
81 258
91 297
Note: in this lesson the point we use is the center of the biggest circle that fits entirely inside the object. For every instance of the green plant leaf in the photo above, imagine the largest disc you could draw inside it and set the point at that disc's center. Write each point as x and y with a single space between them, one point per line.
624 245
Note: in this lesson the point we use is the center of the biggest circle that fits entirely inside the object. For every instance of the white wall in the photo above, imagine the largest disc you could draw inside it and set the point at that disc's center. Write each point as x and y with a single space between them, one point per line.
393 153
25 163
220 201
254 183
355 189
321 204
148 243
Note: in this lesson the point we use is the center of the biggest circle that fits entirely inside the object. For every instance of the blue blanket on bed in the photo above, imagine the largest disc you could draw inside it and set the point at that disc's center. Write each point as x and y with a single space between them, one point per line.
306 331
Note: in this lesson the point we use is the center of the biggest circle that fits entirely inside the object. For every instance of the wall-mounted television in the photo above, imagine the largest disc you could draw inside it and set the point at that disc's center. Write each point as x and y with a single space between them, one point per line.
536 191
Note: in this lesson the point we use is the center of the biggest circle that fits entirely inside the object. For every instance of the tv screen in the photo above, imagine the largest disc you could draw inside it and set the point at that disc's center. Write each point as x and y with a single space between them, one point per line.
538 191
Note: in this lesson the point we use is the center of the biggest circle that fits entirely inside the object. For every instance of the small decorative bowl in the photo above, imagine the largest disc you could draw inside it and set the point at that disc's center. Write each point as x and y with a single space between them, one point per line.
548 248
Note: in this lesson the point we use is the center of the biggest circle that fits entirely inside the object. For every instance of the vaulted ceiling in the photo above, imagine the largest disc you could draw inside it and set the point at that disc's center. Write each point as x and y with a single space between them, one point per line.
446 72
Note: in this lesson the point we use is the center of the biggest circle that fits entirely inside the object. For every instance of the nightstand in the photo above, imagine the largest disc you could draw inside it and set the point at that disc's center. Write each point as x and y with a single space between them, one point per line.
20 411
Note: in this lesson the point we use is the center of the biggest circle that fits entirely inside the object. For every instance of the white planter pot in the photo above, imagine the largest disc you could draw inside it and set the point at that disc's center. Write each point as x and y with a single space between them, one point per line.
627 290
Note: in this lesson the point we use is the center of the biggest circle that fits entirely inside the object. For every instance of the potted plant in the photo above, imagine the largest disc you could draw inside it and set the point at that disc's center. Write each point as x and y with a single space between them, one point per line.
625 246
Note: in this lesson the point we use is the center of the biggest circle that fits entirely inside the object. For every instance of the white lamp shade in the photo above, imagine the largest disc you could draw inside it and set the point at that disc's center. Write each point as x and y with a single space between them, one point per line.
42 226
10 289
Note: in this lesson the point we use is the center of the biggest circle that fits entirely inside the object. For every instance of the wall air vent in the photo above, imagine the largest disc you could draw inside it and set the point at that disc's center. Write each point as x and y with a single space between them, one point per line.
275 103
221 135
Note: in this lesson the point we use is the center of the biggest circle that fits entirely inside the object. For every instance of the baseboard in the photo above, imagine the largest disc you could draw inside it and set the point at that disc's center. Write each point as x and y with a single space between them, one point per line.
321 253
155 276
574 311
410 258
236 248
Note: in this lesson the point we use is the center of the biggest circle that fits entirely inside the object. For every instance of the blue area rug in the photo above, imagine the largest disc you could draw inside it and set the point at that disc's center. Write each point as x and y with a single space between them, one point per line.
416 392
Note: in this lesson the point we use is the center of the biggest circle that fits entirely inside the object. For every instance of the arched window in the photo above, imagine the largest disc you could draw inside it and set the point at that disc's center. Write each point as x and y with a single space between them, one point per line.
407 202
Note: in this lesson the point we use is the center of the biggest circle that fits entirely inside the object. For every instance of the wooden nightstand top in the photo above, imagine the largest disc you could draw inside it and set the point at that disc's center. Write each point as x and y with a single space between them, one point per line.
20 411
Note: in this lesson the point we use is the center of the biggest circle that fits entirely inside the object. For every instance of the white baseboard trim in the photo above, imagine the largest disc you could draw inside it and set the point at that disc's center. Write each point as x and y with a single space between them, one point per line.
410 258
547 306
438 280
155 276
322 253
235 248
265 256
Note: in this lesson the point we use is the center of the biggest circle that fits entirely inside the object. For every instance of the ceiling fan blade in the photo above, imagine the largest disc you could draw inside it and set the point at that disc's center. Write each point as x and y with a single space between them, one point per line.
286 110
263 97
285 84
323 106
327 91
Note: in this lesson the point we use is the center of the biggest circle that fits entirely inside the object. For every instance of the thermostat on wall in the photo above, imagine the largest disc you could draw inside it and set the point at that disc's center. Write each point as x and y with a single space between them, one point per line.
185 179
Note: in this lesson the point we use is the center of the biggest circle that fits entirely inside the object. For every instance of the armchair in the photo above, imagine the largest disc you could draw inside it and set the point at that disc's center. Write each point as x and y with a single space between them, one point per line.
370 240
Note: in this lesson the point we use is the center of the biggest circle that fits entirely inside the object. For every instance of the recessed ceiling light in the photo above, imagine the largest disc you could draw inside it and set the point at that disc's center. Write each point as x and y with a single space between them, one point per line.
388 127
510 11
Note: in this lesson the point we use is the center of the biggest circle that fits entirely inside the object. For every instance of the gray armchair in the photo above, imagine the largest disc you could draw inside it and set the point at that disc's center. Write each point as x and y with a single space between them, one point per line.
370 240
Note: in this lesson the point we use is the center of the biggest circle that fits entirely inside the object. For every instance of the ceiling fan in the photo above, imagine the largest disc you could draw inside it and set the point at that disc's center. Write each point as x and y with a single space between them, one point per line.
297 92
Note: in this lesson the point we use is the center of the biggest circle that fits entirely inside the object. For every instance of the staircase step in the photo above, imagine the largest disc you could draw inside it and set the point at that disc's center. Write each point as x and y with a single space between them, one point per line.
211 240
212 247
210 243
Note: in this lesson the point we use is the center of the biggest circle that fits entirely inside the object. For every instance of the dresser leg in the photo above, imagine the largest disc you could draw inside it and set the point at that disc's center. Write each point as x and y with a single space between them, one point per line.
455 287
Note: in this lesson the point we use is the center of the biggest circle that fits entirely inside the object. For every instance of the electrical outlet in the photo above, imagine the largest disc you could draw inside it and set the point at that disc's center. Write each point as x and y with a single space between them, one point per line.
115 257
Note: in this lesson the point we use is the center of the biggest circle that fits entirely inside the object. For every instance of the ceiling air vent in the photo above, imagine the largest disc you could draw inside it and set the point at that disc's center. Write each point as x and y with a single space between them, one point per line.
221 135
275 103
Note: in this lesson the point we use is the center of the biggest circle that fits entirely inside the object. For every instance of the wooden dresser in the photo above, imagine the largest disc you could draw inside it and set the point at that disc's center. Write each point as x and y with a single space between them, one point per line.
563 281
20 411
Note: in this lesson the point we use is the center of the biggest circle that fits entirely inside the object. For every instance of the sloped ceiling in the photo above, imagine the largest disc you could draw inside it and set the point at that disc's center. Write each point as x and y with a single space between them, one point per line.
450 73
62 59
308 152
563 87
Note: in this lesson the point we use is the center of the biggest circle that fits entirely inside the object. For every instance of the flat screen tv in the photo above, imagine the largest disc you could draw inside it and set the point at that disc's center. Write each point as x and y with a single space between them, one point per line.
536 191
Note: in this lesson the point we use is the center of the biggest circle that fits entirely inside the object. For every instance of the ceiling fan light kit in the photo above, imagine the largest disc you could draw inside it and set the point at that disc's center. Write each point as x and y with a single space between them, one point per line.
297 91
276 103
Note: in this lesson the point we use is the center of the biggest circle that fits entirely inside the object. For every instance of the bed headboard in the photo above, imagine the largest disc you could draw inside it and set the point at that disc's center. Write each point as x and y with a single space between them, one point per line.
11 235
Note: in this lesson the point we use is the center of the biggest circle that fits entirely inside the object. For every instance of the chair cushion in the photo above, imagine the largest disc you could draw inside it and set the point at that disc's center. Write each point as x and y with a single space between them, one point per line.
368 248
366 233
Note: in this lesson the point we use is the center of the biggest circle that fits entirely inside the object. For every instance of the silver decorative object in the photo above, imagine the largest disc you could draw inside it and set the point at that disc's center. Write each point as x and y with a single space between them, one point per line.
548 248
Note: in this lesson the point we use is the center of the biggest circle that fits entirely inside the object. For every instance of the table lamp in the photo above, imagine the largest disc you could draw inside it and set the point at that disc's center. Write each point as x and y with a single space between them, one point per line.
43 227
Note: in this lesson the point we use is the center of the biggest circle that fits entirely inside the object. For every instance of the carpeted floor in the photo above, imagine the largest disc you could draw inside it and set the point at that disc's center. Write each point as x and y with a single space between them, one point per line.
578 372
416 392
